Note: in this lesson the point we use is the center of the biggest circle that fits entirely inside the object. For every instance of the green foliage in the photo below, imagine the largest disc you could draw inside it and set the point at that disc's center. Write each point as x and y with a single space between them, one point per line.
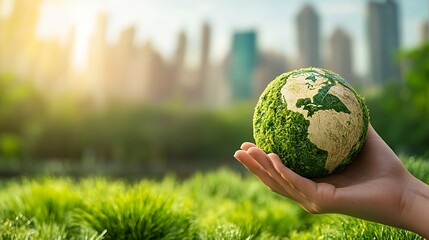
216 205
18 227
416 76
419 167
400 111
40 200
344 227
33 128
10 145
239 211
138 213
398 121
21 106
165 133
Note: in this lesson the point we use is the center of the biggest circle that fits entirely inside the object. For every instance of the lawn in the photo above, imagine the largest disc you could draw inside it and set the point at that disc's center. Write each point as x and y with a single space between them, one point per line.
222 204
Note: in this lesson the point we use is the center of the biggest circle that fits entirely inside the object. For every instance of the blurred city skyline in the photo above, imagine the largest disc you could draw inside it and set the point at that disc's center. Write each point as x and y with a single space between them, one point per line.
274 21
129 68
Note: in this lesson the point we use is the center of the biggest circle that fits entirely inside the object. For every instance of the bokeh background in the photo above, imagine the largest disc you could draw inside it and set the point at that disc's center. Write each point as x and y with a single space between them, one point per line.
144 88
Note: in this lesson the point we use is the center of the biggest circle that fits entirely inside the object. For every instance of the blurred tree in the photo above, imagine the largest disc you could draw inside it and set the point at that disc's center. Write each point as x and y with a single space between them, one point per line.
400 112
417 76
10 145
20 108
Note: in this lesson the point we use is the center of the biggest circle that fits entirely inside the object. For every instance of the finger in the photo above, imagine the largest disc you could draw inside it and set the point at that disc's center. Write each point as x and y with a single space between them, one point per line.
265 162
253 166
284 182
246 145
303 185
314 197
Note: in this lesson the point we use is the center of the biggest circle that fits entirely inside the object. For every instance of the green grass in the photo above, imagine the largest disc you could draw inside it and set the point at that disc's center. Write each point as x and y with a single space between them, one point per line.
217 205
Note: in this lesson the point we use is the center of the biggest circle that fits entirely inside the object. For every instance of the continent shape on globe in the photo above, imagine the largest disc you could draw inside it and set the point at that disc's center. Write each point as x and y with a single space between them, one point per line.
327 105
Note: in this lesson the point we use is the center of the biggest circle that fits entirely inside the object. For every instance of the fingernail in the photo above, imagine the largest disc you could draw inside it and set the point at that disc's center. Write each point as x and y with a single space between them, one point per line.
270 155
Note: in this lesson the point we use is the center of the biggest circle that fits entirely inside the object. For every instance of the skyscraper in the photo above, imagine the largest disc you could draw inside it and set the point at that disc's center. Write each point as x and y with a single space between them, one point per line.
383 37
179 61
178 71
308 37
125 81
340 57
424 32
97 61
18 43
204 63
242 65
270 65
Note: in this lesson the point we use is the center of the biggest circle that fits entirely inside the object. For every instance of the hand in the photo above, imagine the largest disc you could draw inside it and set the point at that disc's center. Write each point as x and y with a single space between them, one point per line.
375 186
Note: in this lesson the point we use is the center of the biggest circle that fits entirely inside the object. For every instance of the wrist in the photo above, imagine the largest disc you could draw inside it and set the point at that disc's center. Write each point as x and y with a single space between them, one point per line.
414 214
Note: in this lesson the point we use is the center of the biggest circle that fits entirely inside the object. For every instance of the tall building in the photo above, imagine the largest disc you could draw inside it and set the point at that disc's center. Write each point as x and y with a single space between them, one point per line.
383 37
126 83
203 81
97 61
18 44
242 65
179 58
179 70
270 65
424 32
340 54
308 37
44 61
53 68
156 75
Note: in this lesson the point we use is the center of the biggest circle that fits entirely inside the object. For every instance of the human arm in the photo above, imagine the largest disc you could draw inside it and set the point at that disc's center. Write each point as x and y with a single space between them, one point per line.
375 178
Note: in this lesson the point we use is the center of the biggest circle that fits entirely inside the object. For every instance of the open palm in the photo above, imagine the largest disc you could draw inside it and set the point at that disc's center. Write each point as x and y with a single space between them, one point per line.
371 187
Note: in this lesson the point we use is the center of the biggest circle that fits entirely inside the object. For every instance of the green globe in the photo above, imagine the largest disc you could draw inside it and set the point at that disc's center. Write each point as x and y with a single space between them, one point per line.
313 119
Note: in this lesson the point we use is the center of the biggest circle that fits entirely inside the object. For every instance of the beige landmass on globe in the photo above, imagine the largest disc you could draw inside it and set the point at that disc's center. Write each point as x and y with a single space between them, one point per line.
334 132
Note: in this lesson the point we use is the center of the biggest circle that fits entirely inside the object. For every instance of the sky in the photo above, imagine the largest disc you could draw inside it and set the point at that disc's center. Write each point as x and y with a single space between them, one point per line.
274 20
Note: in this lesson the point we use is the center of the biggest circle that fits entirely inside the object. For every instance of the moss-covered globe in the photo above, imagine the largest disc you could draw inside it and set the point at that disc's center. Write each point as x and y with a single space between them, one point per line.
313 119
